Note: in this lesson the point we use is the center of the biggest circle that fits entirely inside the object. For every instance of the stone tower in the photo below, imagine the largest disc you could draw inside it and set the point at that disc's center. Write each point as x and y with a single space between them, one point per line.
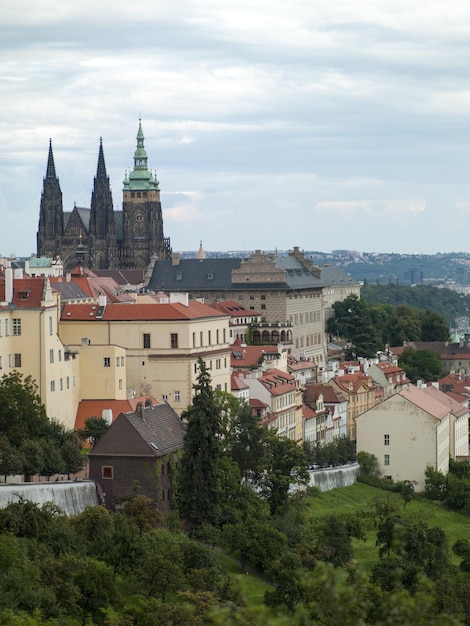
142 213
51 215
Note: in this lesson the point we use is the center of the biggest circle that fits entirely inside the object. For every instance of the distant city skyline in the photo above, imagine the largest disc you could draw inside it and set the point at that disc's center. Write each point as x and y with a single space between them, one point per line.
269 125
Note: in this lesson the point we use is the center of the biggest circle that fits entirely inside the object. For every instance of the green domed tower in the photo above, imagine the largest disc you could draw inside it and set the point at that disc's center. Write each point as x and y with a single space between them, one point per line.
142 213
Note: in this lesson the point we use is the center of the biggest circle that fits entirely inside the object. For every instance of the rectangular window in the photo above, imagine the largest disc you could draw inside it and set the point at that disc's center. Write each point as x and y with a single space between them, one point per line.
177 396
68 382
174 340
61 383
17 360
194 340
224 340
51 356
118 362
52 385
217 336
263 297
16 325
263 307
50 326
146 338
386 440
386 459
60 355
107 361
107 471
209 337
165 397
122 361
120 383
201 339
7 331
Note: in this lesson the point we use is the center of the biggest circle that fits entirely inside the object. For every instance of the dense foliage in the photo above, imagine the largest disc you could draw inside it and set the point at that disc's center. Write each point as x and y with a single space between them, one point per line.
31 443
420 365
369 328
447 303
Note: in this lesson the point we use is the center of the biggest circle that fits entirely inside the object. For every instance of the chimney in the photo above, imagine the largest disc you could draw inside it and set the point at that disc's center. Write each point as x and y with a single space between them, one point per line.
140 410
8 285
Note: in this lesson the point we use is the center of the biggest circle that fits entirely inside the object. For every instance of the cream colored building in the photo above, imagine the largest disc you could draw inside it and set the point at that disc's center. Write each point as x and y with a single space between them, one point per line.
411 430
30 343
162 343
281 393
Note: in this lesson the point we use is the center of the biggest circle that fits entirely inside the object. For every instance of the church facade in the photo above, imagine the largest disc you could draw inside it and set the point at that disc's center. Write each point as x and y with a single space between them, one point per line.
100 237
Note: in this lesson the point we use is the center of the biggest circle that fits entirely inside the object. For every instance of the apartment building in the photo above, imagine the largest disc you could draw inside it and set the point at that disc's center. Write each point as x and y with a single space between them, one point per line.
162 343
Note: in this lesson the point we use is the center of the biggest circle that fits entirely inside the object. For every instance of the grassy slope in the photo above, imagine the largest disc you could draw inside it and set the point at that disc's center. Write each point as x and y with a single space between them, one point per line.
360 498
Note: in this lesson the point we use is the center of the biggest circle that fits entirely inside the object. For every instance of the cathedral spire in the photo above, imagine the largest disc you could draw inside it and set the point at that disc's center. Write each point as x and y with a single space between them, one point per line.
50 170
101 169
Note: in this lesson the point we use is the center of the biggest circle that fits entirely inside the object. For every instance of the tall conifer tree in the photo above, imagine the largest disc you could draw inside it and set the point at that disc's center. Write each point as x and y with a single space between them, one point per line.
198 479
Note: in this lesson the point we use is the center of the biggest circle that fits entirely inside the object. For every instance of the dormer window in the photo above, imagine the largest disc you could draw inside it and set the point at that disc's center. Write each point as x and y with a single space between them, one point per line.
23 295
210 276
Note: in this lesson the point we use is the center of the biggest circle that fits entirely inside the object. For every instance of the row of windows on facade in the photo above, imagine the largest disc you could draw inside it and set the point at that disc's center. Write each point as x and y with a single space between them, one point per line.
107 361
107 471
14 360
61 383
311 317
16 326
147 343
309 340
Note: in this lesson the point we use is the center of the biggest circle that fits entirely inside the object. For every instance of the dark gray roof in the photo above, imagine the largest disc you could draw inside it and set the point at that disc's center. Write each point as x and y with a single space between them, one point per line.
193 274
157 432
215 274
336 276
161 428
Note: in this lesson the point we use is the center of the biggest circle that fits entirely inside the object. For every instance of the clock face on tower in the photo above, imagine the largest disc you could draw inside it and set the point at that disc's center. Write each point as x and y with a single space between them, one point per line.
139 217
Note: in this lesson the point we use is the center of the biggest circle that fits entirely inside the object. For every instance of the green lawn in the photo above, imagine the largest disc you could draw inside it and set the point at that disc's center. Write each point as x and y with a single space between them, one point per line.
360 499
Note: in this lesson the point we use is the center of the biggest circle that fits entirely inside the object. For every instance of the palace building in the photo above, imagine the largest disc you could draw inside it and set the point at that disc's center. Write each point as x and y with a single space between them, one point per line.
100 237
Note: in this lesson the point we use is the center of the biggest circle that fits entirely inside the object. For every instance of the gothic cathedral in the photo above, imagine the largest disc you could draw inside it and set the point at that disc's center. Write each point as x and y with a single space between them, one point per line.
100 237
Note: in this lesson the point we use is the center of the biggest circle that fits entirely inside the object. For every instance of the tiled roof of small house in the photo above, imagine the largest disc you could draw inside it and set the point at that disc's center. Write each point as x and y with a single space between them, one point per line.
158 427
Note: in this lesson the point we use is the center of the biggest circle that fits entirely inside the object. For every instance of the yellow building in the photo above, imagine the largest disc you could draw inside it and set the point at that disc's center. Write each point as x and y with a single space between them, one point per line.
30 344
162 343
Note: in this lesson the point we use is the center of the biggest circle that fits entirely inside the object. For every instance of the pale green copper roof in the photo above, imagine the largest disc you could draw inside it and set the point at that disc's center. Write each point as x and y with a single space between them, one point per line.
41 261
141 178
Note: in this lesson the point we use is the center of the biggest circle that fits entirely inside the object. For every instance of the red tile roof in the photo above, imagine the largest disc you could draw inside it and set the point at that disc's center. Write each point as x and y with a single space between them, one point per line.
244 357
95 408
139 312
27 292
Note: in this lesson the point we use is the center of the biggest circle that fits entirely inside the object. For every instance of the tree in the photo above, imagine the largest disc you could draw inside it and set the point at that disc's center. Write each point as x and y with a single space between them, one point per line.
22 415
10 458
95 428
285 465
198 478
420 364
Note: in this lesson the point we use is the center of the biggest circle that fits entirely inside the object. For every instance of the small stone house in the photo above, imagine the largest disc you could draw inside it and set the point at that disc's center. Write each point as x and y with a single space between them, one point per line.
141 447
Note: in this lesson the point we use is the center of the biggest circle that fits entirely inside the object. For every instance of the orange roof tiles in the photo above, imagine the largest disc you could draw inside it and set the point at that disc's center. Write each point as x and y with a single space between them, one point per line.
139 312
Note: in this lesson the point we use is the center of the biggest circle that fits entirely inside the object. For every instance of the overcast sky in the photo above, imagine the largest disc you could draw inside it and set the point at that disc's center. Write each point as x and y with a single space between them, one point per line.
270 124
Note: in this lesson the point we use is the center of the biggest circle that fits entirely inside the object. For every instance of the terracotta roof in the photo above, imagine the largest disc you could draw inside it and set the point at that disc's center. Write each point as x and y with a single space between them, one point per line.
330 396
138 312
424 401
455 382
308 412
255 403
27 292
95 408
456 408
249 356
237 383
277 382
